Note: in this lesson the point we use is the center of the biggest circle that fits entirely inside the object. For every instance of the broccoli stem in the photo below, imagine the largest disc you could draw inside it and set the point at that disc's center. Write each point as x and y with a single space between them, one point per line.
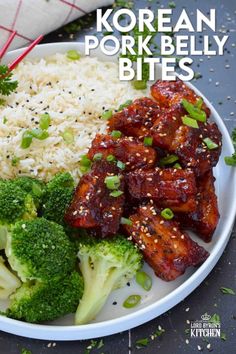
8 281
102 284
3 237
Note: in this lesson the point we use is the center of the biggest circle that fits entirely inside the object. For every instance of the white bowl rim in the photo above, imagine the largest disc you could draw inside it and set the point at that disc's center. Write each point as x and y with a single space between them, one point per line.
108 327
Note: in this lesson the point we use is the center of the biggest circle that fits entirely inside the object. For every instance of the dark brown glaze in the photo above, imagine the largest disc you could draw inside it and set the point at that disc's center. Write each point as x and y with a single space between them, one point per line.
167 249
170 93
188 145
169 187
205 219
92 205
171 134
129 150
164 128
137 119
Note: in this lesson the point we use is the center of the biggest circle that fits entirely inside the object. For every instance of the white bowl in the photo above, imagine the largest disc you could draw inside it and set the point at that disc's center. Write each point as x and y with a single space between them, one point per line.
163 295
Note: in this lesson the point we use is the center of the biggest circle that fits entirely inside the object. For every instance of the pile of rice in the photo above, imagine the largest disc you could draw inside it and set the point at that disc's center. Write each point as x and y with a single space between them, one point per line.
74 93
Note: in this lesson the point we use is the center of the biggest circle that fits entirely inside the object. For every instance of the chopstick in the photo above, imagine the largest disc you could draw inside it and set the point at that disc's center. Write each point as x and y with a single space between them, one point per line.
27 50
7 44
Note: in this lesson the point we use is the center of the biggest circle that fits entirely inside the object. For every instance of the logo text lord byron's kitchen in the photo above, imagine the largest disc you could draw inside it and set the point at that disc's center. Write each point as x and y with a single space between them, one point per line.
207 326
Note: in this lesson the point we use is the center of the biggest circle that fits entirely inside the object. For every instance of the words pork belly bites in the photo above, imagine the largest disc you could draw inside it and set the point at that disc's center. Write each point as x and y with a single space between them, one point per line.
136 119
93 206
170 93
167 249
204 220
175 188
129 150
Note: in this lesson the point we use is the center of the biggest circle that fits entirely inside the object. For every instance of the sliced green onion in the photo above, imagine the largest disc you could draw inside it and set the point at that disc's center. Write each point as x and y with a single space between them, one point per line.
110 158
39 134
121 165
26 140
230 160
45 121
194 111
177 166
132 301
148 140
106 115
85 161
139 84
125 221
116 194
199 103
15 161
73 55
107 33
124 105
116 134
112 182
4 120
167 214
190 122
167 160
84 169
97 157
144 280
68 136
172 5
210 144
141 343
227 291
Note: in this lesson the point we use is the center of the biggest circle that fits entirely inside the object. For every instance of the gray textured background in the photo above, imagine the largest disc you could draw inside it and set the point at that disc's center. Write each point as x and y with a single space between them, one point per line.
218 84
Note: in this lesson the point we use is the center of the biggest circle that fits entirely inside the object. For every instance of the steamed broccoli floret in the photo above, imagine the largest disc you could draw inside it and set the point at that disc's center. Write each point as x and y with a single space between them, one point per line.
37 302
8 281
57 197
15 204
105 265
31 186
40 250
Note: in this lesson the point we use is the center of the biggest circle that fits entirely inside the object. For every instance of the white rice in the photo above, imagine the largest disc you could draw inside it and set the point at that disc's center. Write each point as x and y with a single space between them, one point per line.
74 93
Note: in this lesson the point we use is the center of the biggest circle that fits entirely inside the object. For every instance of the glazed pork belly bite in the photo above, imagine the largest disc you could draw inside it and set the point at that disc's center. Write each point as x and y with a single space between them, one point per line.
203 221
170 133
136 119
171 93
93 206
173 188
165 247
129 150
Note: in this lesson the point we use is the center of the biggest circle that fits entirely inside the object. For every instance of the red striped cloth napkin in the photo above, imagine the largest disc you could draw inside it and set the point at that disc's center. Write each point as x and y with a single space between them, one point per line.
33 17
